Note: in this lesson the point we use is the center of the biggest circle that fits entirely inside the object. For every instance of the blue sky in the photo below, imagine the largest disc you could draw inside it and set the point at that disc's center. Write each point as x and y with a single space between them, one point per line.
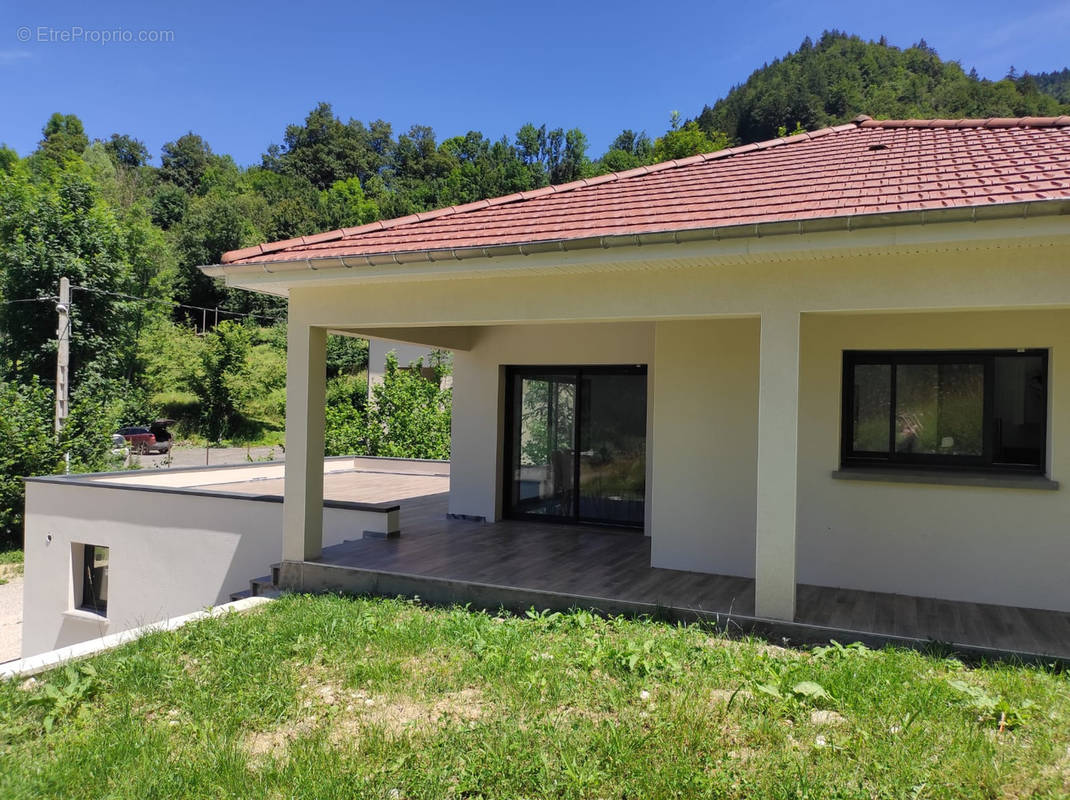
237 74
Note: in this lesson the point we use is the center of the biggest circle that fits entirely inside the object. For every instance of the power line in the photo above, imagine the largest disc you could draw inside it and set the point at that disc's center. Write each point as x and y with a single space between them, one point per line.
173 304
30 300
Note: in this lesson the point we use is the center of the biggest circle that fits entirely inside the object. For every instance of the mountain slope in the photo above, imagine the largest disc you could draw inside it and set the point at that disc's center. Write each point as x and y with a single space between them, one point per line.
842 76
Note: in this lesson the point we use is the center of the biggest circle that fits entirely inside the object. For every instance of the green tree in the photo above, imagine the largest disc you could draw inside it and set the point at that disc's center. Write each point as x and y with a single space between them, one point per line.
688 140
212 225
184 161
840 76
346 355
127 151
29 446
325 150
55 227
168 205
216 380
408 416
64 136
344 205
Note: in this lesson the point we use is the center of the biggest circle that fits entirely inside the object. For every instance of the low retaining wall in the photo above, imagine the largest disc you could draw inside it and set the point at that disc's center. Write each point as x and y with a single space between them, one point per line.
172 550
34 665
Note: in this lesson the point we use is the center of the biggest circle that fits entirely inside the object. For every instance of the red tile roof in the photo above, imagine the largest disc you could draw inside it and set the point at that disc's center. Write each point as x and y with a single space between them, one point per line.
864 167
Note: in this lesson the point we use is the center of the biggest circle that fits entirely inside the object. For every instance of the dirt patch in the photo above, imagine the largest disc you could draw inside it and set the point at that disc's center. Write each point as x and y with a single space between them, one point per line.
764 648
347 714
590 714
397 714
723 696
275 743
826 718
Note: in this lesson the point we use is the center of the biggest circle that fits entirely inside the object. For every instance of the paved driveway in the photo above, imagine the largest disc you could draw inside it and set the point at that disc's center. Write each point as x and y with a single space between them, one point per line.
10 616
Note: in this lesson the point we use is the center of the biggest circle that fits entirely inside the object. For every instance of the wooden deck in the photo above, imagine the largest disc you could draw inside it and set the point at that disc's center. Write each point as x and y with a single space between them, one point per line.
517 564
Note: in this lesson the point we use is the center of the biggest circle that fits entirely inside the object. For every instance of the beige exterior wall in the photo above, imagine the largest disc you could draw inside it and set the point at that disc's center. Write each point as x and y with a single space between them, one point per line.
705 403
985 544
172 553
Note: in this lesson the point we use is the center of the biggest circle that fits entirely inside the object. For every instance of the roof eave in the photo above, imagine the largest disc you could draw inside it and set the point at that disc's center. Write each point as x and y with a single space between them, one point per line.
845 223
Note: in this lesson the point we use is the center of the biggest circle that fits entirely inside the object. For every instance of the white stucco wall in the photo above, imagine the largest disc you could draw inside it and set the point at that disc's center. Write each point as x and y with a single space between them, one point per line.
705 405
478 394
172 553
983 544
406 353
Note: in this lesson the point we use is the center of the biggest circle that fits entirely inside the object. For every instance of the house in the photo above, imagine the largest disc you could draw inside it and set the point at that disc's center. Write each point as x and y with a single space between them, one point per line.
817 384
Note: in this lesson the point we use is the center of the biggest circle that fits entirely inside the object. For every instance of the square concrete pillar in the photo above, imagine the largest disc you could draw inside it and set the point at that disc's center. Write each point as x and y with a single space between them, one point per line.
306 389
778 434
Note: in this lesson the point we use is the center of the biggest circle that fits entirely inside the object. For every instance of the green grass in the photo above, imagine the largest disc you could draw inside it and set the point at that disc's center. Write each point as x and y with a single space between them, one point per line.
330 697
10 564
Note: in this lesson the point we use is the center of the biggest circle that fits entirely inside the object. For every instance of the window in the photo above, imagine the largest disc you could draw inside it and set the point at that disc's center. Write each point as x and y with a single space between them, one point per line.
967 409
95 579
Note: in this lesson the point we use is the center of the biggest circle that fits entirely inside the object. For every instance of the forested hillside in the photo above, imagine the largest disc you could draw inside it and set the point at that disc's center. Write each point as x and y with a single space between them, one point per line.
841 76
151 335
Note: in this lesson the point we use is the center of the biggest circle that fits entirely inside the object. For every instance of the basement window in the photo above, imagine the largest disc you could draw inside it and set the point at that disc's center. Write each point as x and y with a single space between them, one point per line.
969 409
95 579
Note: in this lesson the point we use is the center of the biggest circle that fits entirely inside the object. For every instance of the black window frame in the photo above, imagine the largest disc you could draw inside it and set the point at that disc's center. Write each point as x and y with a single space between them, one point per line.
985 462
576 371
91 582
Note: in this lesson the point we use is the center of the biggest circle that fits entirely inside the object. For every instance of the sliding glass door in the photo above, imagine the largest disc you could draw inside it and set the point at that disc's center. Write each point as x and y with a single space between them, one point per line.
576 444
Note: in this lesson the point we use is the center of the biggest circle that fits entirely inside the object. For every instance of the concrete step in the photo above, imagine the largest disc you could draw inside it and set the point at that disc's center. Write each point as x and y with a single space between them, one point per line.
241 595
260 585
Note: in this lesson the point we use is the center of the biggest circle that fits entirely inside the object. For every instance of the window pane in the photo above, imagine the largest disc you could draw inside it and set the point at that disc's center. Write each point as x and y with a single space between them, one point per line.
1020 400
544 417
940 409
95 579
872 408
613 448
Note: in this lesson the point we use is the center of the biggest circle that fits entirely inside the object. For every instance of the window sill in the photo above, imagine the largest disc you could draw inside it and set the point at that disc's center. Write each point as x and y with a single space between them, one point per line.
995 480
86 616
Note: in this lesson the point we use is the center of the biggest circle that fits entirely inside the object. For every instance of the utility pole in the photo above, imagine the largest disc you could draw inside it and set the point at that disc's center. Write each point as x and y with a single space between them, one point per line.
63 353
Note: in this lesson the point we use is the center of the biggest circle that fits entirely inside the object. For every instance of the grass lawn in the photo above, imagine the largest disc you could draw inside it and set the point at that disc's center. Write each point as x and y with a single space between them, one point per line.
330 697
10 563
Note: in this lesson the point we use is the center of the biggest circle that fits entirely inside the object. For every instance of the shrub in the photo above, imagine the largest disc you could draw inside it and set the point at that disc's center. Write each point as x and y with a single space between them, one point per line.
409 415
29 446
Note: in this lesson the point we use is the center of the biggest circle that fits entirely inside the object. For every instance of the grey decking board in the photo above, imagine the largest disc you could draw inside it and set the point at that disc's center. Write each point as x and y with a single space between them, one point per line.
585 563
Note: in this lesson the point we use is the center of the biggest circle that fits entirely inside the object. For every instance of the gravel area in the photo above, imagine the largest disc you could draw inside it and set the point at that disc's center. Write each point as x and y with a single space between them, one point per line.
210 456
10 617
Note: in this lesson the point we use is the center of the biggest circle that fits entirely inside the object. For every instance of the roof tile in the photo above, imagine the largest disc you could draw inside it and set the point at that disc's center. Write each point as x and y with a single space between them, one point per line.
865 167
